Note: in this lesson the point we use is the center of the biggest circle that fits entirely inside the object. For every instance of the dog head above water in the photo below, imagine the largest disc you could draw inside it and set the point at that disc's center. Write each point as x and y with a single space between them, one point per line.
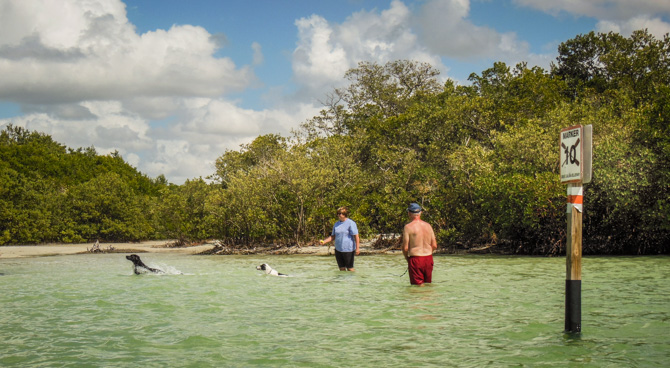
135 259
269 270
139 266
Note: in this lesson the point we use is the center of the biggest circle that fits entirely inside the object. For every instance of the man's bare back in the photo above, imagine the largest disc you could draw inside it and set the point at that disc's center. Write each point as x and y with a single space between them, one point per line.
418 238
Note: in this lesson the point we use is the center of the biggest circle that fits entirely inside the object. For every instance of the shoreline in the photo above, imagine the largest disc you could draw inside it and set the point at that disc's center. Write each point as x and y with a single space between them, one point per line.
160 246
57 249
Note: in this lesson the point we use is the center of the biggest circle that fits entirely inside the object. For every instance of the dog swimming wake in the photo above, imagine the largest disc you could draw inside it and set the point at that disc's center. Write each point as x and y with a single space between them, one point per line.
139 267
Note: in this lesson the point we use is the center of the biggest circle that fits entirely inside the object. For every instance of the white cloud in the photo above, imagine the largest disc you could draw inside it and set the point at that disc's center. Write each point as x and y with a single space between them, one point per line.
258 53
656 26
438 30
187 149
84 76
327 50
621 16
70 51
211 119
208 128
107 127
319 58
601 9
152 108
447 31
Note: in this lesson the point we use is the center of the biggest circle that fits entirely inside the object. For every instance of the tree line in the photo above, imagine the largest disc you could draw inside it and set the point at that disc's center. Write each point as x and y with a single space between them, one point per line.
482 159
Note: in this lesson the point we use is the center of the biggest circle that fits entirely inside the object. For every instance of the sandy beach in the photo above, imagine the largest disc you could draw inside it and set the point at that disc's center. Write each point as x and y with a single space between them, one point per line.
156 246
43 250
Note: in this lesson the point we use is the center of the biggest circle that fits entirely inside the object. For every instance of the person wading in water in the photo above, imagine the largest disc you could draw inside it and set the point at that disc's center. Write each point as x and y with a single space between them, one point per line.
418 244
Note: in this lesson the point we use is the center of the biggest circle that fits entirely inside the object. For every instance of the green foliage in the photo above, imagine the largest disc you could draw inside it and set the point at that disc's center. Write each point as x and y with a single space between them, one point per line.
22 217
183 213
598 63
627 204
386 90
53 194
106 208
258 152
289 195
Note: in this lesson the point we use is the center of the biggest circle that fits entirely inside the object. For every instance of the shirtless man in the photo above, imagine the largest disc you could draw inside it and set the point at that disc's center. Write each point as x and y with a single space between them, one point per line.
418 244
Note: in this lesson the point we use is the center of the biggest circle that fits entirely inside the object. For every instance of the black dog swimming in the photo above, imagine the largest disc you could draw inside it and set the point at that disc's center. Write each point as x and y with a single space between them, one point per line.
139 266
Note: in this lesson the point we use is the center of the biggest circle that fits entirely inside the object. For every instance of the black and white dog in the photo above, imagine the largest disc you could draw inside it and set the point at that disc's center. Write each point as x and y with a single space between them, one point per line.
269 270
139 267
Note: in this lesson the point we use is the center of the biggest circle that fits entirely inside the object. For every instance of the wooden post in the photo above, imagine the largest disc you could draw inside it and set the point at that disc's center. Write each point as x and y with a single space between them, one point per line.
573 274
576 153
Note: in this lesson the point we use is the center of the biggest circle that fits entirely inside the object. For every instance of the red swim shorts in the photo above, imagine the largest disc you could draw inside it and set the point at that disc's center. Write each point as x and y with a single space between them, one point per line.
420 269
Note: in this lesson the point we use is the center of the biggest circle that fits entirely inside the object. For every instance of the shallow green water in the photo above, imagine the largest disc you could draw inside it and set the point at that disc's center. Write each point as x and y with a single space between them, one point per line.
91 310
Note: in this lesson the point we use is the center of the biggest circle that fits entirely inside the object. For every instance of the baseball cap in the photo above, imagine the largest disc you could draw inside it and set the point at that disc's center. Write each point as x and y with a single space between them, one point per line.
414 208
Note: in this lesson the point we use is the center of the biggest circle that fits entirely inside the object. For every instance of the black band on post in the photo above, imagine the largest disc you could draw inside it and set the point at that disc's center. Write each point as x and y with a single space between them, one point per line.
573 306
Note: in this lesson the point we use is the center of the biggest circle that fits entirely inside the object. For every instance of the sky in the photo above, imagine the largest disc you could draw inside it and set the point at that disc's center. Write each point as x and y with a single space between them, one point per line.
172 84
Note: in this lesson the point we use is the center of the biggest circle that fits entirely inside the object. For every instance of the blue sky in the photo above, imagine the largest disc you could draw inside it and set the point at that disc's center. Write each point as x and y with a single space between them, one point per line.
173 84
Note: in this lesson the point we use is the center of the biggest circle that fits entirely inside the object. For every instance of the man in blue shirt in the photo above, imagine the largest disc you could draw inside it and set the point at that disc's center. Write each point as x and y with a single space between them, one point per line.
347 241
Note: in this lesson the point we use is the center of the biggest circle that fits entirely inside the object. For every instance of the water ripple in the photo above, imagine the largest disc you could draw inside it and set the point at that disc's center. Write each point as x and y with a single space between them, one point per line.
91 310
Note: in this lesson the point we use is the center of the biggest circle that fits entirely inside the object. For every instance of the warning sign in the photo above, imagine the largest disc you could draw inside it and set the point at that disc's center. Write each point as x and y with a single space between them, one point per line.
572 146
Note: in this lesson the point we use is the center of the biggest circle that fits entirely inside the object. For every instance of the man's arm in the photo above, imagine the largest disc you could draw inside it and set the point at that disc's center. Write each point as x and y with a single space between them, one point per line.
405 243
433 241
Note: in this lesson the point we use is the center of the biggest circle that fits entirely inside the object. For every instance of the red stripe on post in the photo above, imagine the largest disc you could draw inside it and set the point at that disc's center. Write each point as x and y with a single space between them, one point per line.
576 199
